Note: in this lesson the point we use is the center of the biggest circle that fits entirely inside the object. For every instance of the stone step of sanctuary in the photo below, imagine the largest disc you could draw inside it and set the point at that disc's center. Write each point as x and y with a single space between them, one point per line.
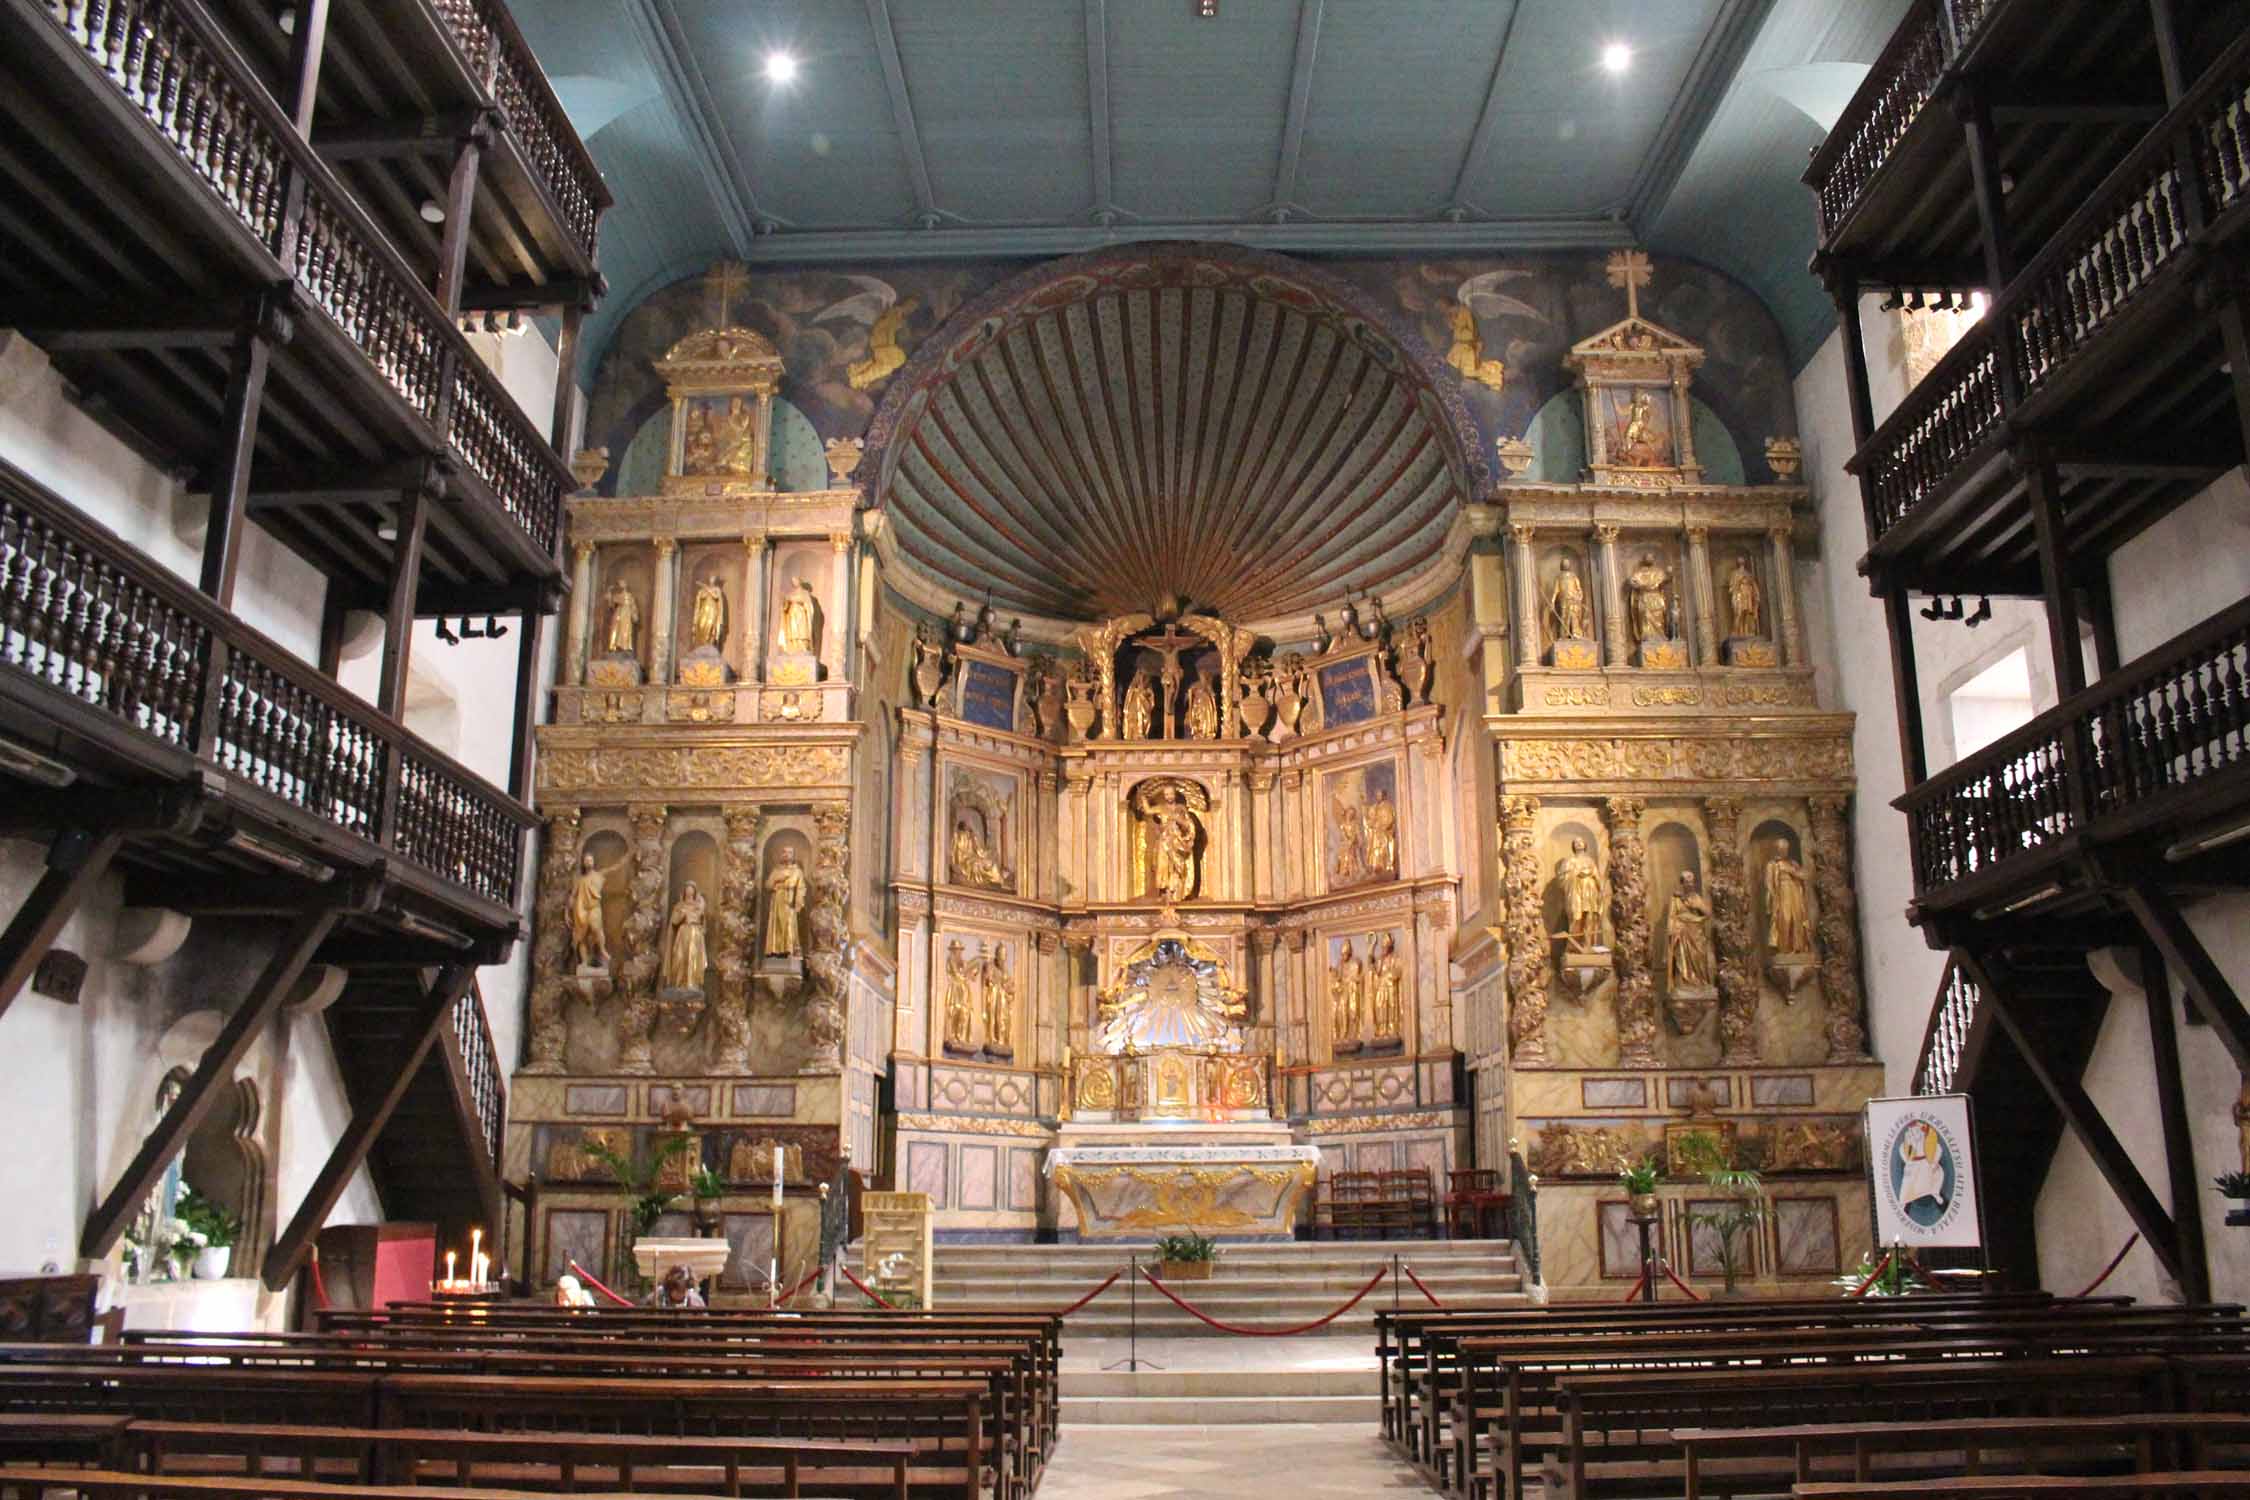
1198 1398
1263 1285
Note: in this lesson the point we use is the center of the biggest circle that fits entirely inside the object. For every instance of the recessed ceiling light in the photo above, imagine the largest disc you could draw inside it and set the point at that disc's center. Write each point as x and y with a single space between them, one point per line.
432 211
1616 57
781 67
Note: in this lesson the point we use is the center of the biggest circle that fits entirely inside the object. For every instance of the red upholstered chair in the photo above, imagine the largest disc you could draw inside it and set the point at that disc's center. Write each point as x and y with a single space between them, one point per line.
1472 1195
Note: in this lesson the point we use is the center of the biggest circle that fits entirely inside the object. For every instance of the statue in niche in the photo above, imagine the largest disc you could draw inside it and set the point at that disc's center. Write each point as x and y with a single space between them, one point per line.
1566 603
1651 607
699 454
589 940
1351 860
1379 841
800 612
1687 927
1742 600
1202 710
1636 442
1581 881
722 441
960 1001
685 957
708 625
1166 837
999 1004
624 620
1386 989
1347 988
1140 707
1788 912
972 863
785 899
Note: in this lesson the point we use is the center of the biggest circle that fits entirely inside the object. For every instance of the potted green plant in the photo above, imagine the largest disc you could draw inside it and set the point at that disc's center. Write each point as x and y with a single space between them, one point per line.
708 1187
2235 1185
212 1228
640 1183
1639 1181
1741 1203
1187 1257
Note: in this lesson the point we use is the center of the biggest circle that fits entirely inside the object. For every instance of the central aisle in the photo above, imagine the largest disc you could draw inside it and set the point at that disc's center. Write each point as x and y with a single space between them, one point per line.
1305 1461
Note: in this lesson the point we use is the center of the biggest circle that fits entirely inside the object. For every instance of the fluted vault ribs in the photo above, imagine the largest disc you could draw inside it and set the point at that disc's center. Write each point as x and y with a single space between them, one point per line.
1184 427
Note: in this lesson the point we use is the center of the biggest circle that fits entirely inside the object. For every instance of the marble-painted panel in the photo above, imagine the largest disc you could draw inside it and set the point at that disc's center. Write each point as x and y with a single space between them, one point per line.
980 1177
1620 1241
1679 1093
596 1099
1781 1090
750 1237
1431 1154
925 1170
1805 1230
696 1096
765 1100
1023 1178
580 1234
1613 1093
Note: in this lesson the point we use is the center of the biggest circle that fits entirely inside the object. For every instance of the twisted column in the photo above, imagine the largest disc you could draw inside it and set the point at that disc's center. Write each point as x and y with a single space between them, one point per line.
644 931
828 939
1529 969
1837 931
1628 910
1730 922
737 945
550 954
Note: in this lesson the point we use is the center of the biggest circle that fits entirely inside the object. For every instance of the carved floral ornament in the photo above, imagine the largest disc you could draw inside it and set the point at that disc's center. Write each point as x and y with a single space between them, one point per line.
630 768
1798 758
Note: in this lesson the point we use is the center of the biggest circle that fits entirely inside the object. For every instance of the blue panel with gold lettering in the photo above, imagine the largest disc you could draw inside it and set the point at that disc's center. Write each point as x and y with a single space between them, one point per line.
1347 692
988 695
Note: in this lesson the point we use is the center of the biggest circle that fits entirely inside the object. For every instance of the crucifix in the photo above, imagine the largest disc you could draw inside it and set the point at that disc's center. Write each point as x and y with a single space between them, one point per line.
723 281
1169 645
1630 270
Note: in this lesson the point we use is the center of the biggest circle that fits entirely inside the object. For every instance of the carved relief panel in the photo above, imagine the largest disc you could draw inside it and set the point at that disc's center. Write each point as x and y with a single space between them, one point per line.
1359 812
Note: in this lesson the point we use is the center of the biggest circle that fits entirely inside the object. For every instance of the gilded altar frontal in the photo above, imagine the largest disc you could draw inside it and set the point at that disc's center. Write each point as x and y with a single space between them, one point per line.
1111 744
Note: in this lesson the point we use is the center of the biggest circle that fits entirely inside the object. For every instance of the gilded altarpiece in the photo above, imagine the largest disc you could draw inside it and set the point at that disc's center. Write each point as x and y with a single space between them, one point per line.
1680 928
695 970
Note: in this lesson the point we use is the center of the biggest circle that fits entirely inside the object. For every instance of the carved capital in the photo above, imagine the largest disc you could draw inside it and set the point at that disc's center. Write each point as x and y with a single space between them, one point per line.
840 542
665 545
754 543
1522 531
582 552
1606 534
1698 535
1780 532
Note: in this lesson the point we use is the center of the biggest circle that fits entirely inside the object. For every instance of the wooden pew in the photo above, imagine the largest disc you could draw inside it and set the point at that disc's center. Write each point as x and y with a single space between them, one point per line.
129 1486
2042 1486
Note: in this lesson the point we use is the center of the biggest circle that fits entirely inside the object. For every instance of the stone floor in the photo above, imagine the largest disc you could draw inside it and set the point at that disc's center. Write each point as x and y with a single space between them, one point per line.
1306 1352
1213 1463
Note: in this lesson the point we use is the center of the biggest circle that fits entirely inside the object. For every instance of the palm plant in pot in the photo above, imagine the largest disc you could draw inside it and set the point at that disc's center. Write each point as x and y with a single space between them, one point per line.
708 1187
1187 1257
1741 1203
1639 1181
639 1179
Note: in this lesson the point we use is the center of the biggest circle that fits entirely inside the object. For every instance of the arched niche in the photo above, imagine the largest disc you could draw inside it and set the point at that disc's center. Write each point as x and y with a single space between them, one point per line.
799 458
1673 850
224 1158
1550 562
697 566
795 842
695 860
635 567
613 854
1571 826
1557 435
1769 837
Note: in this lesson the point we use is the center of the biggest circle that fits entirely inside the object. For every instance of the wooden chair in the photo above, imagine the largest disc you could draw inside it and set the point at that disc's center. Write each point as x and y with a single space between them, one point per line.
1409 1202
1473 1195
1348 1205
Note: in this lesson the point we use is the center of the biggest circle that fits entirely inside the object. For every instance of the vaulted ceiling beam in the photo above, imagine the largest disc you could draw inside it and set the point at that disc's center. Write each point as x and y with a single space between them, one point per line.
657 25
1488 118
1097 106
1708 78
1309 14
902 111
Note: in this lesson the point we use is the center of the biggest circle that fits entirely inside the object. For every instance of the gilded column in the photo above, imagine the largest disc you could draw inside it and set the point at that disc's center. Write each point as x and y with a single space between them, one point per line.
644 928
1838 930
912 831
840 604
1628 907
1527 596
1788 635
660 610
1683 417
1529 969
1048 884
551 954
1730 922
1617 635
1261 842
1699 580
754 607
736 948
1072 843
1291 979
1296 850
827 986
581 612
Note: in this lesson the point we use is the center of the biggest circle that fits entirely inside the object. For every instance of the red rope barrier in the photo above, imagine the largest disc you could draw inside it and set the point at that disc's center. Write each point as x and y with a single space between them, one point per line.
1683 1286
1268 1333
1425 1291
873 1295
1880 1267
1640 1284
319 1287
1090 1296
588 1277
803 1282
2114 1262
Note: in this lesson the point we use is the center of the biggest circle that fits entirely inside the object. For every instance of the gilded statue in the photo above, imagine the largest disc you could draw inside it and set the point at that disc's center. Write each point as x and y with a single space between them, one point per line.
1581 882
708 625
883 352
1202 710
1788 912
685 957
1386 989
723 441
999 1004
1166 838
960 1000
700 453
1379 843
972 863
785 899
1140 707
1651 608
1742 600
624 620
1566 603
799 613
1347 988
1467 353
1350 859
1687 928
589 939
1636 434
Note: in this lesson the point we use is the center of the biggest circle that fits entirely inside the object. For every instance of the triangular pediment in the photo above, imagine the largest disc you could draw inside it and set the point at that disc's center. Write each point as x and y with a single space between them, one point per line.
1633 335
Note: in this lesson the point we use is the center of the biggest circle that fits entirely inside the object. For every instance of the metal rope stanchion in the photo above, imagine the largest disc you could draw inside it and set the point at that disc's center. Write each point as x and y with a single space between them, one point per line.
1132 1360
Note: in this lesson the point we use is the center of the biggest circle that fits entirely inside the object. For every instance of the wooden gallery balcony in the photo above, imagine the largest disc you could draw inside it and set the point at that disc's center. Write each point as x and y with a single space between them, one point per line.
2099 370
165 209
131 704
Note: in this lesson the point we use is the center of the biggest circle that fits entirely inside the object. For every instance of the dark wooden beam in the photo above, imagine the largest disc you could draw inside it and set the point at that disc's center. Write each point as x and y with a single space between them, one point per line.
308 45
2020 101
335 605
2082 1116
528 687
425 1028
234 895
1974 106
566 382
1906 685
398 617
2043 490
2164 21
98 330
377 484
460 218
230 475
563 292
2184 952
2179 1140
375 140
176 808
75 861
201 1091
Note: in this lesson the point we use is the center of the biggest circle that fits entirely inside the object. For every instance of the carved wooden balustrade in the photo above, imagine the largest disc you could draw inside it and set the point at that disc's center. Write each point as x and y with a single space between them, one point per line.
2134 230
183 77
2154 747
89 618
482 1079
1891 98
1946 1043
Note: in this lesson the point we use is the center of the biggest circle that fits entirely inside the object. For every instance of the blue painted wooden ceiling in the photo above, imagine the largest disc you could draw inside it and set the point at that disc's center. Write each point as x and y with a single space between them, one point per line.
1025 128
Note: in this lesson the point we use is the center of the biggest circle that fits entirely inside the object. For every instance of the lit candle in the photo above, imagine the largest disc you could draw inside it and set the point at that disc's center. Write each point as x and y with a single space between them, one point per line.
777 1177
476 1245
449 1268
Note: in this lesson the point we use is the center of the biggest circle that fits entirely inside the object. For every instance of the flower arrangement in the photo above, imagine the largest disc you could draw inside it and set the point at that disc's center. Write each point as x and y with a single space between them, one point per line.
1187 1257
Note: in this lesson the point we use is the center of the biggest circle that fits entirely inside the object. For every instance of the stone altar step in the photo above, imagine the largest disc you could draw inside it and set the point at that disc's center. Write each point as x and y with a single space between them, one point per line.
1217 1382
